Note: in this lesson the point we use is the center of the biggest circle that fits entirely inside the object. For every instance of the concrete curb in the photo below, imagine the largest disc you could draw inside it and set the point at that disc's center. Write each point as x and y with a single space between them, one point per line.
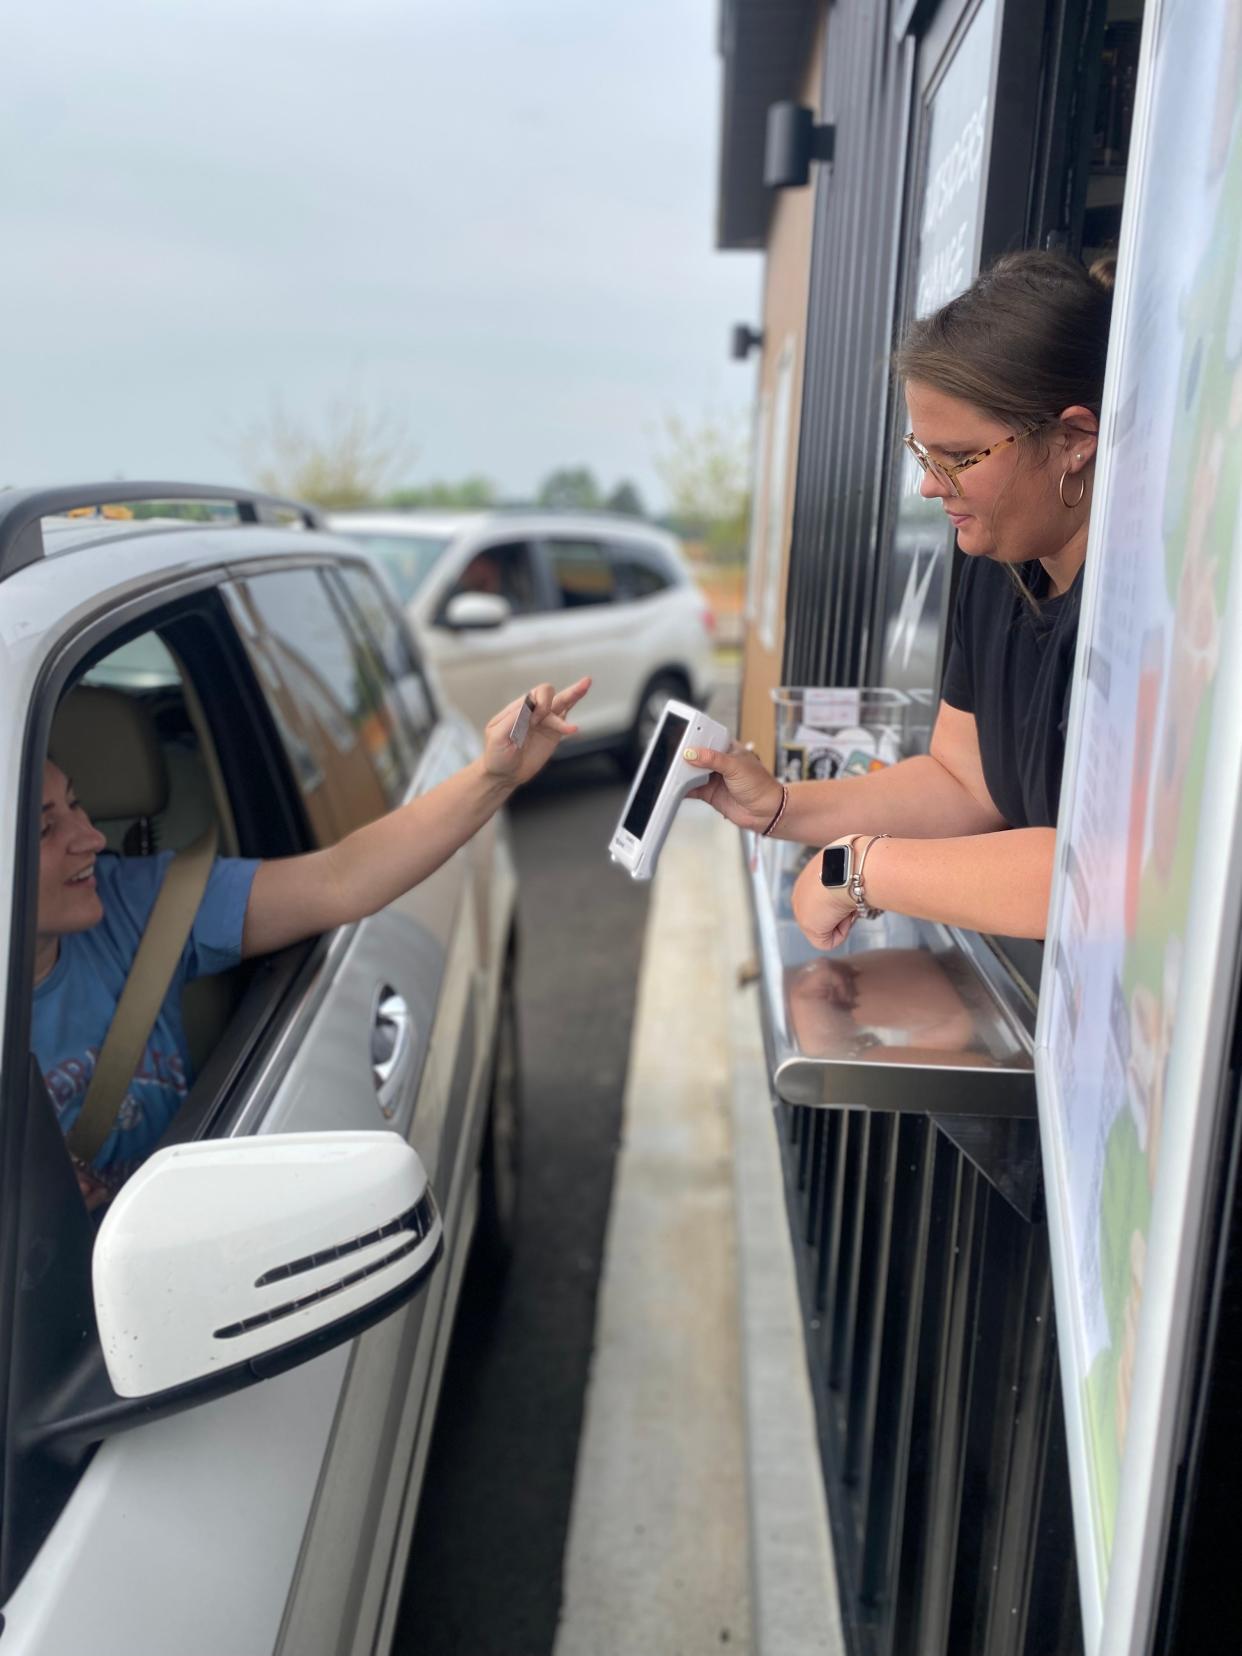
793 1575
698 1516
657 1557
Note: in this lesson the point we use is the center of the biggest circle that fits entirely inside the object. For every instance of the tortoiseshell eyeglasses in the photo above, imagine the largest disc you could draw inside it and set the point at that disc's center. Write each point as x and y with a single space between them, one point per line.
948 472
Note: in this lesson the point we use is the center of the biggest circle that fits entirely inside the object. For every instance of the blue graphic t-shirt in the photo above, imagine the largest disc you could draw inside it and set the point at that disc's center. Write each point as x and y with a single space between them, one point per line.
74 1004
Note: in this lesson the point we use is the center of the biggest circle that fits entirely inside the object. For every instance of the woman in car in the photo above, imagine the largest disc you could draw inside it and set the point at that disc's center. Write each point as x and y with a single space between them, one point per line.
92 914
1003 385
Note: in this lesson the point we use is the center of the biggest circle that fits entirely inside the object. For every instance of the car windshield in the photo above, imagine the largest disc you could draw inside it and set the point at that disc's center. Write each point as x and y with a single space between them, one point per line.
407 558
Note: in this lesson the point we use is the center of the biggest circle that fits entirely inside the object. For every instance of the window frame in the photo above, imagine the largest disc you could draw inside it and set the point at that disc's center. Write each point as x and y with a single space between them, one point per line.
339 817
629 554
371 665
360 570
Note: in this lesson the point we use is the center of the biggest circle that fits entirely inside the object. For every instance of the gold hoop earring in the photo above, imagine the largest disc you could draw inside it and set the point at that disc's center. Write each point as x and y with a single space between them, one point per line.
1082 489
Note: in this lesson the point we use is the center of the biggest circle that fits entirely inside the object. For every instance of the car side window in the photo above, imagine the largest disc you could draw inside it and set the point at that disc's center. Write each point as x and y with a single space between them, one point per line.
324 699
386 627
582 572
639 574
507 569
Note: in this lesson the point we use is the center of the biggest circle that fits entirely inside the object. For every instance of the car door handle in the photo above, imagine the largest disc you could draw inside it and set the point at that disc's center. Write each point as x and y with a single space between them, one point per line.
392 1045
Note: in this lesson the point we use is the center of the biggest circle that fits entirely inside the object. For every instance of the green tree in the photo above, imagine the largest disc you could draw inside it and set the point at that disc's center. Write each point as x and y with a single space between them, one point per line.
471 494
572 488
706 470
191 511
351 456
626 499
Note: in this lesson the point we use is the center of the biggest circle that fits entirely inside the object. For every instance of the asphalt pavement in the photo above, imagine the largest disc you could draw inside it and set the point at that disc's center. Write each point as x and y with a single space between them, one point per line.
485 1569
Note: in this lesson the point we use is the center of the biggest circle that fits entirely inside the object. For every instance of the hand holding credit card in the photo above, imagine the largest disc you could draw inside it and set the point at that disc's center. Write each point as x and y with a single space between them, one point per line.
520 739
520 725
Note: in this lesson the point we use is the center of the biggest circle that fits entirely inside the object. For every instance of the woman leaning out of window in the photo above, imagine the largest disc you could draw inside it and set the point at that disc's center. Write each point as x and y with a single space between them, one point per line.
1003 386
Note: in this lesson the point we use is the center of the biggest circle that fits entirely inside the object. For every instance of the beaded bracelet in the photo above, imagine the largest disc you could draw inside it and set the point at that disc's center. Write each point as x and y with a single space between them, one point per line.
866 910
780 811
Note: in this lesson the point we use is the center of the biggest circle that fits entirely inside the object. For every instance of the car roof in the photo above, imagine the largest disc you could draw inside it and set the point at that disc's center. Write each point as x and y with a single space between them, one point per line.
172 540
509 520
64 534
393 522
154 543
72 564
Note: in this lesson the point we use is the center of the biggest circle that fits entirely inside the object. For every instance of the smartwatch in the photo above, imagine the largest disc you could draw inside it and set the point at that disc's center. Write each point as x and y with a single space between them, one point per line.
842 868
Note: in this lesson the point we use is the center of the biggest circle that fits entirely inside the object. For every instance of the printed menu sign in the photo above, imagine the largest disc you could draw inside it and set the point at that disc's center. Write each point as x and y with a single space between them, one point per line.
959 125
1144 926
955 173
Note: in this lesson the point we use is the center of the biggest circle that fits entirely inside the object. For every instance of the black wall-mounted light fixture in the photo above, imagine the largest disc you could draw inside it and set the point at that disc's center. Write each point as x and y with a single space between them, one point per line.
743 341
793 142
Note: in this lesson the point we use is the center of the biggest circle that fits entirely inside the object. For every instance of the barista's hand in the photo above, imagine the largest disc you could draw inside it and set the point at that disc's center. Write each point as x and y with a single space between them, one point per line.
825 913
514 765
741 789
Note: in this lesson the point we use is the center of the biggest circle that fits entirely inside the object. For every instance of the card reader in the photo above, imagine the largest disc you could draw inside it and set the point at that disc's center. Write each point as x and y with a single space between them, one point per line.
663 781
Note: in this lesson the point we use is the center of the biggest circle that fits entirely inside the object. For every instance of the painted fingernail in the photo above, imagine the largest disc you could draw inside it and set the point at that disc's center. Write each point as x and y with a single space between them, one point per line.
692 753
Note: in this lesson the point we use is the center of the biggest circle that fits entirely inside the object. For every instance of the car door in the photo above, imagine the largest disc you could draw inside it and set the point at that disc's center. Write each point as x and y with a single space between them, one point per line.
593 627
268 1521
482 669
405 999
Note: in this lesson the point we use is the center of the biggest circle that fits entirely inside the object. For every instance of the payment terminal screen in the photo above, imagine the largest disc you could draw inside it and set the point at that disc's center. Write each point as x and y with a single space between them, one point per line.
664 750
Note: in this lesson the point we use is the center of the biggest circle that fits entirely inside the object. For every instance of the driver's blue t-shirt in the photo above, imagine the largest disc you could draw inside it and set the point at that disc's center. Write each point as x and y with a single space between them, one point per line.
74 1004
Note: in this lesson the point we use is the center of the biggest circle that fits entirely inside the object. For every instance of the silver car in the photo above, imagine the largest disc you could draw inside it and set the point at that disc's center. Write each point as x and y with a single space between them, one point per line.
264 675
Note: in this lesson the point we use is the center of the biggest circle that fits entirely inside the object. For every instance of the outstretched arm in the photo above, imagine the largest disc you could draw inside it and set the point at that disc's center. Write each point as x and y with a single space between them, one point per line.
296 897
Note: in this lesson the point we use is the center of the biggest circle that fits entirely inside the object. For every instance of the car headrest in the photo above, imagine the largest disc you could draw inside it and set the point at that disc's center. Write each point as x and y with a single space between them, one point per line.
106 743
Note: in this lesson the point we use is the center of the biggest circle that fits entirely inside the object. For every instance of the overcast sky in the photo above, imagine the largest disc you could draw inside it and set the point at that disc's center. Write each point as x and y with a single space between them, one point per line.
493 217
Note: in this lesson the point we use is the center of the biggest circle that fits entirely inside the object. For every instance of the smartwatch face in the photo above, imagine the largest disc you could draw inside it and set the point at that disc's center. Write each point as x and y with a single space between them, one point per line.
833 868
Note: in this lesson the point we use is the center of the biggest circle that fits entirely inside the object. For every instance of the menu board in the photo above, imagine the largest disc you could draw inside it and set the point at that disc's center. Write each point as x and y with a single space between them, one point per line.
1143 940
959 121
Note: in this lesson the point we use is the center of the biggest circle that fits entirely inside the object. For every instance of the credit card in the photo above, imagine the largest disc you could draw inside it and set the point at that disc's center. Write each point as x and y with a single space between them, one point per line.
517 735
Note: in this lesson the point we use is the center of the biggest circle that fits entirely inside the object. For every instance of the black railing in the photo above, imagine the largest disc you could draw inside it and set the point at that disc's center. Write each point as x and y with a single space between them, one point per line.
924 1271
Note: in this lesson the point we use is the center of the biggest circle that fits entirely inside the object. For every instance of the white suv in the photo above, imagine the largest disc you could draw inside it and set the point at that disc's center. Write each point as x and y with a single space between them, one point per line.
259 673
495 597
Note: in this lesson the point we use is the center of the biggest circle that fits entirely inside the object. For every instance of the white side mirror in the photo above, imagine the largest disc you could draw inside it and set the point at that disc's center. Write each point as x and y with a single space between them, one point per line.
476 611
219 1253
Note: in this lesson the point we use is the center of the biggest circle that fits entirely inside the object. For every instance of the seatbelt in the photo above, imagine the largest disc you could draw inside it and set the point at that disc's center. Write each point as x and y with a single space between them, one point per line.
160 947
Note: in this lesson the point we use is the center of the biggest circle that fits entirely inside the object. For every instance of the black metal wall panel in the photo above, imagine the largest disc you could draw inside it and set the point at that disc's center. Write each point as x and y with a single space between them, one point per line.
867 82
932 1347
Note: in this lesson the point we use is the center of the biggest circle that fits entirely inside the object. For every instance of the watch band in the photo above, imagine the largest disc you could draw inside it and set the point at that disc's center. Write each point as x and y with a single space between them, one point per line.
857 889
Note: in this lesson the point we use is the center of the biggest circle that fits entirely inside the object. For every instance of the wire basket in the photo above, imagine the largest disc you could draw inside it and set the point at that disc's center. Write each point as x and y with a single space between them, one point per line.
823 733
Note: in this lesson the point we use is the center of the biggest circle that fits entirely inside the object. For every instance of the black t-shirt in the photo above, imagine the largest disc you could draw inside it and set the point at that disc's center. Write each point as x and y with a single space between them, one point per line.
1011 665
